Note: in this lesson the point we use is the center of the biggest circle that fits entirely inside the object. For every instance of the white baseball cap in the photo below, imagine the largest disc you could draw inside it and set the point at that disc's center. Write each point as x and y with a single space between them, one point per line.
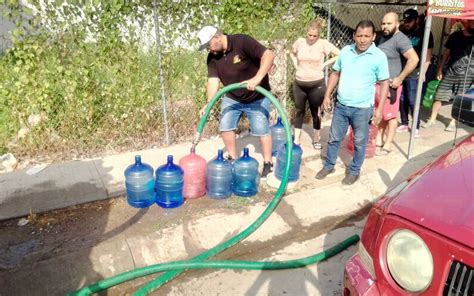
205 35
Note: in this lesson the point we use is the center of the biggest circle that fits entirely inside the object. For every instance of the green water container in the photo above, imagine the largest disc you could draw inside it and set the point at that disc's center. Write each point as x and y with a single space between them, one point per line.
430 93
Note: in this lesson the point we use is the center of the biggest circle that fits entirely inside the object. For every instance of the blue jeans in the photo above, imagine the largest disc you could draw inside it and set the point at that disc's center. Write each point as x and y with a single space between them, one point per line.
358 119
257 112
407 100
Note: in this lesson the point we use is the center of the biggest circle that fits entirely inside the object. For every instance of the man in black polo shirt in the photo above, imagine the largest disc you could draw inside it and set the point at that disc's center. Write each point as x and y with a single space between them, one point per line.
414 30
232 59
459 75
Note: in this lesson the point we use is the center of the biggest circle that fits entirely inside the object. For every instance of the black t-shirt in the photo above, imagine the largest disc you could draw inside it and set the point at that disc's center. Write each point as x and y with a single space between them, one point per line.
460 47
240 62
416 39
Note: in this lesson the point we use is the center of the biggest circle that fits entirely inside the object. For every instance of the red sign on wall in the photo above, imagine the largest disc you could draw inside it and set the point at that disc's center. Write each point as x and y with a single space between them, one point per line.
460 9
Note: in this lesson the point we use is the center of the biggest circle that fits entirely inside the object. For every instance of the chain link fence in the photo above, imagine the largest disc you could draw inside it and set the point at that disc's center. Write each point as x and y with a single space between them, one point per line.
342 18
186 96
145 91
148 94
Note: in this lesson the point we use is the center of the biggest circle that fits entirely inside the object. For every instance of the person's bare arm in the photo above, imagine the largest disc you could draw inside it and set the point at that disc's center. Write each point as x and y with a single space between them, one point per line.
444 59
212 88
412 60
384 85
266 63
426 64
294 58
333 79
335 54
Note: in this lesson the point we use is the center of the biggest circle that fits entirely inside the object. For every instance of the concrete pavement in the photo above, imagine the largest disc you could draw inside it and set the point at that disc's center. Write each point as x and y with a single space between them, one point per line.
313 216
76 182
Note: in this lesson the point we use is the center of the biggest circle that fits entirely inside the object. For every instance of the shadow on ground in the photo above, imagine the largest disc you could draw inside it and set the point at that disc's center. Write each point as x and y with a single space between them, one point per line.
54 253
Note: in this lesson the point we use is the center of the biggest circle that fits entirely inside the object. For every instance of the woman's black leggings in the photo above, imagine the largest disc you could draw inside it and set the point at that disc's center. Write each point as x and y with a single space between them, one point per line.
313 92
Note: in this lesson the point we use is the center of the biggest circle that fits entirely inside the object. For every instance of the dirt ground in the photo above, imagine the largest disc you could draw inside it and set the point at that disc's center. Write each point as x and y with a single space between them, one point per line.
64 231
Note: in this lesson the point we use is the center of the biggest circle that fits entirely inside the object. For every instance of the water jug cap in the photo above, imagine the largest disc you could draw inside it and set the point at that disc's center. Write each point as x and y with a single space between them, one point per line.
220 154
138 159
279 119
246 151
170 159
138 167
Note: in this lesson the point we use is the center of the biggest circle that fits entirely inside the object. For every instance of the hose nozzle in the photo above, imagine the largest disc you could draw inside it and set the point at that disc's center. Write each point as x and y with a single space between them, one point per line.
197 138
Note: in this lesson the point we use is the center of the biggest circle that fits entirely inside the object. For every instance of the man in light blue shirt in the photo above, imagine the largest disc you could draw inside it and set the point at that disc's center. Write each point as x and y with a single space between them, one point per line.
357 69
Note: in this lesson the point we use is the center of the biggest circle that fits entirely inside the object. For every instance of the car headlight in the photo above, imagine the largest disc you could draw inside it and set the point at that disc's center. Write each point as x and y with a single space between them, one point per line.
409 261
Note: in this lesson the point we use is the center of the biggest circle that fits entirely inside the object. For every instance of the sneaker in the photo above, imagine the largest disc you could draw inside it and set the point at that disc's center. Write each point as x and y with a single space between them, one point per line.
350 179
267 169
229 159
323 173
317 145
451 127
427 124
383 152
242 134
417 133
402 128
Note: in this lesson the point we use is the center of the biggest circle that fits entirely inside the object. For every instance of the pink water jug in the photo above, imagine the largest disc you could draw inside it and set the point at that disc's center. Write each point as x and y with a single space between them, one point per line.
371 146
194 167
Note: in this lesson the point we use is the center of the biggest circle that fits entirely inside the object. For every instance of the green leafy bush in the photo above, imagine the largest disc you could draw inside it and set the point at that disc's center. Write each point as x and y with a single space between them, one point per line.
104 92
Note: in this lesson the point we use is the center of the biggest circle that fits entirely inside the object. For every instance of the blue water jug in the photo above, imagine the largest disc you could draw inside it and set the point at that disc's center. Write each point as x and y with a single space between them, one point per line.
139 184
245 177
295 162
169 185
278 136
219 177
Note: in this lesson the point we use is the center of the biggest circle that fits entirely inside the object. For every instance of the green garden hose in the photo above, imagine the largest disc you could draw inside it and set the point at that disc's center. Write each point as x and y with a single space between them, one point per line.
217 264
266 213
173 269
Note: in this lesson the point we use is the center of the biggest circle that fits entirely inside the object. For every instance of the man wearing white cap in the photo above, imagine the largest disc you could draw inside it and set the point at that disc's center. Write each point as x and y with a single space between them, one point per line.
232 59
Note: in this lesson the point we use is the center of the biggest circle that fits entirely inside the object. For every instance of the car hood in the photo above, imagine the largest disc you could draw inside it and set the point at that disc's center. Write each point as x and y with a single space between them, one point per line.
440 197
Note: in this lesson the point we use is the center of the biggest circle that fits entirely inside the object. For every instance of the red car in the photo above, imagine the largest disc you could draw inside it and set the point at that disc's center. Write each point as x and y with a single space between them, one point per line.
419 237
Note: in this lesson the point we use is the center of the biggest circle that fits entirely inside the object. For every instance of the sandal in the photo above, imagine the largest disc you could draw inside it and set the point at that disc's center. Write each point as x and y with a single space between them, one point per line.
229 158
378 148
383 152
317 145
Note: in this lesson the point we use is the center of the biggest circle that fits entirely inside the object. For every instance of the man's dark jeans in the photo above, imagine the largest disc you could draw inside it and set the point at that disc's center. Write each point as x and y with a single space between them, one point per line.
358 119
407 100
